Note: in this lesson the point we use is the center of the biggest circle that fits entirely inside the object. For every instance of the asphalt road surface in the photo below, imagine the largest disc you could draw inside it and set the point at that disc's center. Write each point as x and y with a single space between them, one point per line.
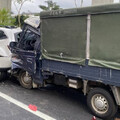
56 102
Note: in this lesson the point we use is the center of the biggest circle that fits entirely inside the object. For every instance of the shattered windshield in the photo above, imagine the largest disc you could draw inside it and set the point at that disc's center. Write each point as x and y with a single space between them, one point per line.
28 40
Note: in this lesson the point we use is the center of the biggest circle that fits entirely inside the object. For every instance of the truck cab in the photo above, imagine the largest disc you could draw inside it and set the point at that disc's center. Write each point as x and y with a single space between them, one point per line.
26 52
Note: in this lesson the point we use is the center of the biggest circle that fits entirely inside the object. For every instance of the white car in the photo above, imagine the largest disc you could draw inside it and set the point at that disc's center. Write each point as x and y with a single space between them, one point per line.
7 34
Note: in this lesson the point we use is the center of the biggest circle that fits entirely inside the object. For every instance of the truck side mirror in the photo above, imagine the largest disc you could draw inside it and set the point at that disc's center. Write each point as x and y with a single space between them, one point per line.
13 44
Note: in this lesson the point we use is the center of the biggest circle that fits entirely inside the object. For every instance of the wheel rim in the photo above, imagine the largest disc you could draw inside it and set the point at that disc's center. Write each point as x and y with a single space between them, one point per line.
100 104
26 79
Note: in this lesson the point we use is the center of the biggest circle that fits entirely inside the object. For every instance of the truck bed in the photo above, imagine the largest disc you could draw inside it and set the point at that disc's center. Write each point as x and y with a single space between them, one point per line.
98 74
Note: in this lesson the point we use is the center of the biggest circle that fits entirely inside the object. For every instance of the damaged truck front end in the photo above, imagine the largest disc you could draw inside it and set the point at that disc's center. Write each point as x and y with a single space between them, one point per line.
26 53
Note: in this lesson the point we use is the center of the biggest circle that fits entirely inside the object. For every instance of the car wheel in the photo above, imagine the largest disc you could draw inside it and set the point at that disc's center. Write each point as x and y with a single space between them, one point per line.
25 80
3 76
101 103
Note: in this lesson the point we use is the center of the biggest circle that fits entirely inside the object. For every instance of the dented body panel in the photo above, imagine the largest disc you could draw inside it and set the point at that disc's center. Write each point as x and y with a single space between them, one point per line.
5 54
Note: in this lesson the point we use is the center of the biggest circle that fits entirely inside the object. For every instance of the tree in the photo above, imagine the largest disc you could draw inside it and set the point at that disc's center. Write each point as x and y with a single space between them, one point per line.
21 3
75 3
81 3
22 18
5 18
50 5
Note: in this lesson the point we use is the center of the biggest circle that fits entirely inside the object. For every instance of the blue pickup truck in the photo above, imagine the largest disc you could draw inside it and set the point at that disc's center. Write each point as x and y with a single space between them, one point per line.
77 48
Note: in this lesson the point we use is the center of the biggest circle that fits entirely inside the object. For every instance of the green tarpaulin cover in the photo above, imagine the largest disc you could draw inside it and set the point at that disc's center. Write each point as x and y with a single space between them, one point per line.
81 11
64 35
105 41
64 39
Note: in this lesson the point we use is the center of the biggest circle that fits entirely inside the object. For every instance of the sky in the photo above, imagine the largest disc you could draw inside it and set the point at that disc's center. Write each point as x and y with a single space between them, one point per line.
32 7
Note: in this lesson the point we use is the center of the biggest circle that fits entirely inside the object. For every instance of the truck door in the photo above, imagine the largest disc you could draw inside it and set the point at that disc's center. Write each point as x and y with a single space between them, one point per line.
25 60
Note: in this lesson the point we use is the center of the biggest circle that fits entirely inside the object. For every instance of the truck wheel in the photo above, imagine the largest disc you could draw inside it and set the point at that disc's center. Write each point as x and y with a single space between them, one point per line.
25 80
3 76
101 103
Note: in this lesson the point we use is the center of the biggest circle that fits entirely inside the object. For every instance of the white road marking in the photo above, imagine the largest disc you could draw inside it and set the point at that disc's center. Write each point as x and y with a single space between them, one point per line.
25 107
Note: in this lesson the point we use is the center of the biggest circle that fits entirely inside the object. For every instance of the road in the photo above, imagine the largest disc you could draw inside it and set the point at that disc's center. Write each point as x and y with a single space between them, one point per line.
57 102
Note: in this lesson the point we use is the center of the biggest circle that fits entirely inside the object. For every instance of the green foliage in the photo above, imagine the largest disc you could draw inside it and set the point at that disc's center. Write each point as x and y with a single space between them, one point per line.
22 18
50 6
37 14
21 3
5 17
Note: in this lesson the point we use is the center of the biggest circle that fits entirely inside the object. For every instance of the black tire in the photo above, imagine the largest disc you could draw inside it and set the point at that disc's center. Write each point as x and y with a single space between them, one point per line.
3 76
26 84
101 103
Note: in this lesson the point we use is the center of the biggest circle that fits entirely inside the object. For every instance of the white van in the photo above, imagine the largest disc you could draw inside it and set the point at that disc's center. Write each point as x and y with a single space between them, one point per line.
7 34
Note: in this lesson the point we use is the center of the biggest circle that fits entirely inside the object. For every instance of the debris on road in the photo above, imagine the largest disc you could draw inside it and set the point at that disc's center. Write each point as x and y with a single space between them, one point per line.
33 107
117 118
93 118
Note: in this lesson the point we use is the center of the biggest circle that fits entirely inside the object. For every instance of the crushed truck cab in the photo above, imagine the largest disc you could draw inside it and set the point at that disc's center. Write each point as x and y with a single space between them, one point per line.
77 48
